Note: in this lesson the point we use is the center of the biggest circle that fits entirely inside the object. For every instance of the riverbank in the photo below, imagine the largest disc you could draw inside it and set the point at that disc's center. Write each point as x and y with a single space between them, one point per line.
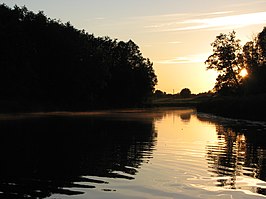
172 101
241 107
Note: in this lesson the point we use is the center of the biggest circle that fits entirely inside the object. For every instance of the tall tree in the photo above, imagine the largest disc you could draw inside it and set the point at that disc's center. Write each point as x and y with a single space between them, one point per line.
262 65
254 60
226 60
251 56
262 44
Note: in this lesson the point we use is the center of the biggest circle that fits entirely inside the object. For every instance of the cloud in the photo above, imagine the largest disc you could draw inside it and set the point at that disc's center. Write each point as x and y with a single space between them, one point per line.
226 22
207 21
99 18
197 58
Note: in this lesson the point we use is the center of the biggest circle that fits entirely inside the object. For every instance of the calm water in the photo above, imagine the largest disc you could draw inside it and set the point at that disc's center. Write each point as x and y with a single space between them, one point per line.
140 154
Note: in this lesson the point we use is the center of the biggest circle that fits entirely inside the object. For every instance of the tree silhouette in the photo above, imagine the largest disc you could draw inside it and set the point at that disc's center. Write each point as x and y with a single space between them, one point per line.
226 59
262 44
185 92
254 54
51 65
229 59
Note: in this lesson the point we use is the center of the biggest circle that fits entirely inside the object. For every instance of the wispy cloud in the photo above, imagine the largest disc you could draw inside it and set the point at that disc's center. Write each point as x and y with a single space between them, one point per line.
197 58
175 42
99 18
209 21
226 22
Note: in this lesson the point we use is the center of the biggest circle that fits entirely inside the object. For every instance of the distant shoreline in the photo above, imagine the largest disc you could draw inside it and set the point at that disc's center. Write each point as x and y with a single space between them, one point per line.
251 107
243 107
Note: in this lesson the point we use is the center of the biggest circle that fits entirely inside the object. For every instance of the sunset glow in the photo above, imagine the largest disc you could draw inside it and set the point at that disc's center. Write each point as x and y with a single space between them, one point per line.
153 99
174 35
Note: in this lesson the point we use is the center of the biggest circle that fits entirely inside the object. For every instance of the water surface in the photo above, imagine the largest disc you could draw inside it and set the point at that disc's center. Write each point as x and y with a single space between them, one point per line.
142 154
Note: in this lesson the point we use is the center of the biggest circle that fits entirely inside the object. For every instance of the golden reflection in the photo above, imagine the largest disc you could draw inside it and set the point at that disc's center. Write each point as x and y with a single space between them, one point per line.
183 124
237 159
228 151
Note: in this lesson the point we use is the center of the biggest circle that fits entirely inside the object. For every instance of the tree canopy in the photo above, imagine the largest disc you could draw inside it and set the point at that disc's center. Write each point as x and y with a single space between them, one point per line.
50 63
229 58
185 92
225 60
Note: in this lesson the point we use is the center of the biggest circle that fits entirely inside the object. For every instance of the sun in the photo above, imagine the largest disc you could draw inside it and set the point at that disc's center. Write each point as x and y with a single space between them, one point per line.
243 73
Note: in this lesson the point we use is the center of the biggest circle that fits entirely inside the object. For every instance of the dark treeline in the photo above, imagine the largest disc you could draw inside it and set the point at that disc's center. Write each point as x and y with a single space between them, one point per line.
241 84
47 64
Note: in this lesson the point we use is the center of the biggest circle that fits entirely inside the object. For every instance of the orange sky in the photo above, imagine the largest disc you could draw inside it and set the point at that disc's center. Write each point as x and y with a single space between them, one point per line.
174 34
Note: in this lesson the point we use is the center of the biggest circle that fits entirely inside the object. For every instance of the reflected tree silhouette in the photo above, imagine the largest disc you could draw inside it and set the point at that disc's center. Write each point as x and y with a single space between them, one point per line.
185 117
239 152
227 158
44 156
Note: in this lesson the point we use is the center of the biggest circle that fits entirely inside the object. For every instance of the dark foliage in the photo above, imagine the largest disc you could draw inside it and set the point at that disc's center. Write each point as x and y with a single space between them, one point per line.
255 63
245 107
238 96
225 60
185 93
229 59
47 64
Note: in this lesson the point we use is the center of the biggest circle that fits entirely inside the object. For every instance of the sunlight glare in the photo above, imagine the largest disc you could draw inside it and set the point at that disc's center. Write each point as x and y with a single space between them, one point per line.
243 72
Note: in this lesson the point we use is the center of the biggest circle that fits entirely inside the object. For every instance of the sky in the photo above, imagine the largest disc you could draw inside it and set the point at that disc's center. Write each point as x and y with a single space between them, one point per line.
174 34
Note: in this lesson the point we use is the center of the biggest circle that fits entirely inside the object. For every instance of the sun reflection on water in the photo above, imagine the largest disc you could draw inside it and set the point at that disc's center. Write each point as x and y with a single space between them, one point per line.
210 154
154 153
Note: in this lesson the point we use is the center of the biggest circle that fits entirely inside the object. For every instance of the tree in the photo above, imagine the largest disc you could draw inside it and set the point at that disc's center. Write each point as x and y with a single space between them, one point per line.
159 93
251 61
53 64
262 44
185 93
251 56
254 60
226 60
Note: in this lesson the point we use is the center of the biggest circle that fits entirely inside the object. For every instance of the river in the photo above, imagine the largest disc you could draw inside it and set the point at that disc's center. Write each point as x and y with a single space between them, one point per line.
131 154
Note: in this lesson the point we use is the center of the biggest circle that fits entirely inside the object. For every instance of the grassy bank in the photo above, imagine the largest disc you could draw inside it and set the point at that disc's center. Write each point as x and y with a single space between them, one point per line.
242 107
172 101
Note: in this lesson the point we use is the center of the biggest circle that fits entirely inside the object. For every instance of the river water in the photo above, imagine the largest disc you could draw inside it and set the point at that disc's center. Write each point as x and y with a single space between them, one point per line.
131 154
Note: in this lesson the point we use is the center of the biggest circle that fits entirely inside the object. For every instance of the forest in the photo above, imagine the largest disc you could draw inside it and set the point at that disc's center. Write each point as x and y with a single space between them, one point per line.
50 65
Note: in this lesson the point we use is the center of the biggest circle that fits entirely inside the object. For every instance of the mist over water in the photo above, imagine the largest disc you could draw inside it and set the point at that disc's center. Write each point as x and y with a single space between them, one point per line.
156 153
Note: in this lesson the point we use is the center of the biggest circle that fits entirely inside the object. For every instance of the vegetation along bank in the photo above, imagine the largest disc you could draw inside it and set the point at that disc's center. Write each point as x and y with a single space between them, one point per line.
49 65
